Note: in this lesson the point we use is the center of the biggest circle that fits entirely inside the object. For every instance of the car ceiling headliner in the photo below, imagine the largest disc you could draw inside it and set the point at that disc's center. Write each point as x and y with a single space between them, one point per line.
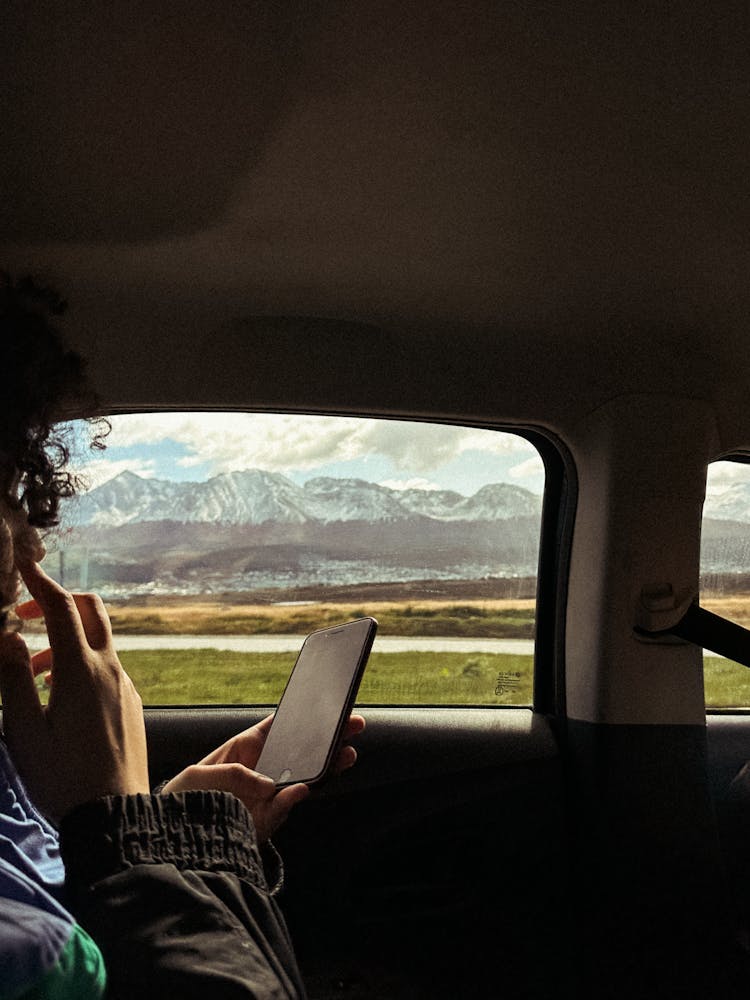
521 176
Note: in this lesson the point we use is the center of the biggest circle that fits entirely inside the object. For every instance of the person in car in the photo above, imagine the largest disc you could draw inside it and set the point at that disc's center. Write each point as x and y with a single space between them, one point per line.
176 890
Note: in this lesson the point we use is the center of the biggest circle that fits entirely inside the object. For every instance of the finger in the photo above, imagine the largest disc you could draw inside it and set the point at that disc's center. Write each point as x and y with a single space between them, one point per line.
93 613
253 739
285 801
262 727
247 746
244 748
345 758
354 726
270 817
41 661
248 786
61 616
22 710
95 620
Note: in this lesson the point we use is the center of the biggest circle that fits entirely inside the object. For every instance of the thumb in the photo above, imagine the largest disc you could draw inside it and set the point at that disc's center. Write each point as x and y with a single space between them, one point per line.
286 799
22 709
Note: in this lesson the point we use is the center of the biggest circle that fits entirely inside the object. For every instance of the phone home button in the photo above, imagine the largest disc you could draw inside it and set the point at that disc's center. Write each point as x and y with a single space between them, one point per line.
285 774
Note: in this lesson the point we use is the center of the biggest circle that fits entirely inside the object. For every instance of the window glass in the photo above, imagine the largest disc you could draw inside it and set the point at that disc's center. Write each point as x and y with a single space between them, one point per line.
218 540
725 574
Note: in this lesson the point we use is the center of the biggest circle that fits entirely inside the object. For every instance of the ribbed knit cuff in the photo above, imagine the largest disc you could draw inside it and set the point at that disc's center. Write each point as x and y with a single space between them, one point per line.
198 830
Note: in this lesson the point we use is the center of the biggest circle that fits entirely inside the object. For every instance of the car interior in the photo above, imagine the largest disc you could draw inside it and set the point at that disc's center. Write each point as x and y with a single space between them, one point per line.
523 219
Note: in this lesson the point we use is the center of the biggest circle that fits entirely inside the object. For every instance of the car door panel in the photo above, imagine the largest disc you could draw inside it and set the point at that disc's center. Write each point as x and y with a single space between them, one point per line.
433 861
729 750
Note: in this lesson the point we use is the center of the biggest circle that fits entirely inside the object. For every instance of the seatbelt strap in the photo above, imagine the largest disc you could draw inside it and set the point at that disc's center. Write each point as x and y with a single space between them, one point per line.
704 628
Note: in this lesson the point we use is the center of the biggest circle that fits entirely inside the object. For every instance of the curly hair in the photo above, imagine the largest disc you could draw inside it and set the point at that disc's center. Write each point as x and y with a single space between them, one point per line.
39 374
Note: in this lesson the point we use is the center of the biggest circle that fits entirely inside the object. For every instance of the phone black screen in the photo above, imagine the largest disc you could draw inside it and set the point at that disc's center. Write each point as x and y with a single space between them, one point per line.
316 702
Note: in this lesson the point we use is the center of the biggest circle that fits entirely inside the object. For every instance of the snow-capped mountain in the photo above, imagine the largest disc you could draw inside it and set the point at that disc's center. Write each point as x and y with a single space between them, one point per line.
328 499
499 502
732 504
250 497
257 497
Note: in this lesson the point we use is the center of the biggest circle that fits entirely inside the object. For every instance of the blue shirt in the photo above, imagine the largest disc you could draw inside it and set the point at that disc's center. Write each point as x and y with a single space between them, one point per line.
35 928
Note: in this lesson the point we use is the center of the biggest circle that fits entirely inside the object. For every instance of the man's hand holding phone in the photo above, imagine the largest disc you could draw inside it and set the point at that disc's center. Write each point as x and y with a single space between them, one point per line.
305 740
230 768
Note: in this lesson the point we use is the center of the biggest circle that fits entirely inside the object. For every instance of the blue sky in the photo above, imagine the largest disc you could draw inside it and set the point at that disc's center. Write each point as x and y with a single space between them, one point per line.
197 446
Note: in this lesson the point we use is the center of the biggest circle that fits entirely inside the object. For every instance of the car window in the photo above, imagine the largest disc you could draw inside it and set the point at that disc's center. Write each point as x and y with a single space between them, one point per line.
218 540
725 574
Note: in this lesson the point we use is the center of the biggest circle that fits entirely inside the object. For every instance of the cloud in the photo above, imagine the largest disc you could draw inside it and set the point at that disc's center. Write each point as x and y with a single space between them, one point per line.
722 475
230 441
282 442
526 470
420 447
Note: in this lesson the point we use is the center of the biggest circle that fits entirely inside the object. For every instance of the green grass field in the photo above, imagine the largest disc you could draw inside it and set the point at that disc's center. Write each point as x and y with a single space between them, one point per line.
212 677
727 683
215 677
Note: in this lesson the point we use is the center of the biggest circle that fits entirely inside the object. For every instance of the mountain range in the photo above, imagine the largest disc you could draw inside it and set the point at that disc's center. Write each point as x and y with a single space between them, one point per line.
256 530
258 497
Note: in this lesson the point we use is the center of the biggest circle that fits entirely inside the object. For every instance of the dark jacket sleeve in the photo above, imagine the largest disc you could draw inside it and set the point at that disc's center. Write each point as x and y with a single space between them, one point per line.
172 889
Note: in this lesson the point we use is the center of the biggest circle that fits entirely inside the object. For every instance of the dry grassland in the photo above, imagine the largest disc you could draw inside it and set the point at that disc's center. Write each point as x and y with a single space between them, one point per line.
190 617
736 608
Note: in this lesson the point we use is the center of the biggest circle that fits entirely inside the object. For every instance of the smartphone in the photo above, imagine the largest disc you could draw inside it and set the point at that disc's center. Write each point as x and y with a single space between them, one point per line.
317 700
